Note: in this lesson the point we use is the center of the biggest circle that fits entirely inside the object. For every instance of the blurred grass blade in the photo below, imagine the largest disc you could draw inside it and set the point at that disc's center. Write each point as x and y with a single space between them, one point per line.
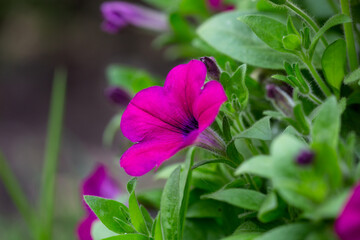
17 195
52 152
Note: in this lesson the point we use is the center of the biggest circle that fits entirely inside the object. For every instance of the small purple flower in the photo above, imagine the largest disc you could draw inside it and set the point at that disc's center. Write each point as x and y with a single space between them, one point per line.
305 157
120 14
98 183
164 120
117 96
347 225
212 68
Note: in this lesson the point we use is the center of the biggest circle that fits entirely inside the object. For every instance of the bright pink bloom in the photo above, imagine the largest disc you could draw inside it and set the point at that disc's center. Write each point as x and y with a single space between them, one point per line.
164 120
347 225
98 183
120 14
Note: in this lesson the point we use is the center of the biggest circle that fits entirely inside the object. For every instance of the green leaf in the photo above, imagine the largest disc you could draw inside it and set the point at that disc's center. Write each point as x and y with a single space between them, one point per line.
130 236
185 182
334 62
236 85
170 206
327 163
205 209
131 185
301 118
131 79
329 209
326 125
236 40
137 218
165 172
259 165
267 29
295 231
352 77
148 219
99 231
157 231
333 21
291 29
107 211
259 130
271 208
175 199
243 198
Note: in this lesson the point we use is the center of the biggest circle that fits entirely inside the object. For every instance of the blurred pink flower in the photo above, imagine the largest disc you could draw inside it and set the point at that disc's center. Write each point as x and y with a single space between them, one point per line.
120 14
218 5
347 225
164 120
100 184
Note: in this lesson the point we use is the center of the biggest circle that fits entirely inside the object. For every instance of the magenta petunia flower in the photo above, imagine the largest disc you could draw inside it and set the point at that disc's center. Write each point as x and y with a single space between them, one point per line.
164 120
98 183
347 225
120 14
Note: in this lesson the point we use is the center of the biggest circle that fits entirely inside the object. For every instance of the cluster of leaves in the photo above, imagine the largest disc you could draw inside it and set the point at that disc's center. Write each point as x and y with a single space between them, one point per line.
259 191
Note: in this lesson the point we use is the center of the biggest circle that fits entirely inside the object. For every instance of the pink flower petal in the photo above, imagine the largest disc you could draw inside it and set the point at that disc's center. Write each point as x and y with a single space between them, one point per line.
185 82
164 120
84 228
347 225
207 105
152 114
143 157
100 183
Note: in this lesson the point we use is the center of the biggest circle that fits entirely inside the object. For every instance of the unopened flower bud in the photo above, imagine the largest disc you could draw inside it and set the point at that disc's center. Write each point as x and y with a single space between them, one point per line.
212 68
119 14
305 157
117 96
280 98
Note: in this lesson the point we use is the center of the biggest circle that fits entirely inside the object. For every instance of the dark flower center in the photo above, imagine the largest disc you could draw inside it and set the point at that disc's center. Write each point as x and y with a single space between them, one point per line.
191 126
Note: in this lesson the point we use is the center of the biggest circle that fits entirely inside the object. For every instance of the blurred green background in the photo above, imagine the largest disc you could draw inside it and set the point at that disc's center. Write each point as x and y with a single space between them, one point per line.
36 36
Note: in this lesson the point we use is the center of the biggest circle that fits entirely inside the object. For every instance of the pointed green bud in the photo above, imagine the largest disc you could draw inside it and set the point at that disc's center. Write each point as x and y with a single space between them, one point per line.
291 42
291 29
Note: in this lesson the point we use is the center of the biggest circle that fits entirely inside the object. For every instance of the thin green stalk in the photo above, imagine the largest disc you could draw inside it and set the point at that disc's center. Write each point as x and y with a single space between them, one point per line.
324 88
315 98
52 153
17 195
349 36
306 18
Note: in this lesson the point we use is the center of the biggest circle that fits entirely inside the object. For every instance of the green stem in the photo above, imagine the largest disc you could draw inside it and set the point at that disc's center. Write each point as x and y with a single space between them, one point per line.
314 98
17 195
324 88
349 36
306 18
52 153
